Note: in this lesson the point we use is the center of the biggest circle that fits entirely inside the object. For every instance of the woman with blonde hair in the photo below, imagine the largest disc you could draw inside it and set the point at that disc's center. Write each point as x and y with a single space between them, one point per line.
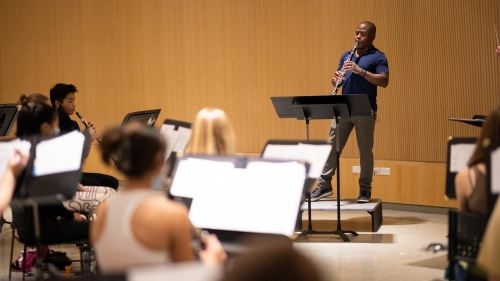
213 133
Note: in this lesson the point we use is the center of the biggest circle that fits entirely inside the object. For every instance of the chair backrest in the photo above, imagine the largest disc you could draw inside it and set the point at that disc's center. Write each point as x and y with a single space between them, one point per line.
22 219
464 236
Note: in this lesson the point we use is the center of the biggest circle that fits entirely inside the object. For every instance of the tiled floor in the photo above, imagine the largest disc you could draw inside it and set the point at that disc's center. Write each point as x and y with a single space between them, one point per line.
395 252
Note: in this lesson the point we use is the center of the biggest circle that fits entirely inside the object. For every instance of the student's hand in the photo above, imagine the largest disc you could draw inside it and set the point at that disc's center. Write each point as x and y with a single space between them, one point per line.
17 162
497 52
79 217
213 254
93 131
82 188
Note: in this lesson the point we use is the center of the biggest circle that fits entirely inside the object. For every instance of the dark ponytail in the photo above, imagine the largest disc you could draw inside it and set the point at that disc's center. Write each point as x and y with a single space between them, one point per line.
135 148
32 115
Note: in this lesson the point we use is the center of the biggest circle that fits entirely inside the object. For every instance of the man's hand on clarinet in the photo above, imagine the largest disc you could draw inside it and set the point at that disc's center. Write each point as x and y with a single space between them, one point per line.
497 52
336 77
351 66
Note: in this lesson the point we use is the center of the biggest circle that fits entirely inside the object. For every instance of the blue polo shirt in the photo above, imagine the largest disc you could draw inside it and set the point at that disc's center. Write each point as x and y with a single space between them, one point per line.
373 61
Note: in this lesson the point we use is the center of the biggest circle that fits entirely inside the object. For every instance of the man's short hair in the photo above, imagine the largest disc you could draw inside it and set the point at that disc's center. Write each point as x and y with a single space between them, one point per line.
60 91
371 26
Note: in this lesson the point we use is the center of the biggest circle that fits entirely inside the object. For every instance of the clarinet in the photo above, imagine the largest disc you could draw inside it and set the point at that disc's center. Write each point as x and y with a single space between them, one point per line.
339 81
86 124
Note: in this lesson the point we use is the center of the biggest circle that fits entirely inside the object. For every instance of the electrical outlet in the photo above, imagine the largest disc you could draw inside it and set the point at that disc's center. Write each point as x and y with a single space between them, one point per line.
377 171
356 169
385 171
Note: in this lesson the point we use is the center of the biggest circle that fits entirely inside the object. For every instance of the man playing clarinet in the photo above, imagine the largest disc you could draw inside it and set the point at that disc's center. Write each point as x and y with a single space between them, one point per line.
367 70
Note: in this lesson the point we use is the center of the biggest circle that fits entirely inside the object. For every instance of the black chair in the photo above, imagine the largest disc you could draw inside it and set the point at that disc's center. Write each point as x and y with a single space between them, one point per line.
465 235
23 215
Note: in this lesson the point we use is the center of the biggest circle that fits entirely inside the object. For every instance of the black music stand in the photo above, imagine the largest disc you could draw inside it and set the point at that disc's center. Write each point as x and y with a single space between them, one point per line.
8 116
453 159
232 237
477 120
147 117
324 107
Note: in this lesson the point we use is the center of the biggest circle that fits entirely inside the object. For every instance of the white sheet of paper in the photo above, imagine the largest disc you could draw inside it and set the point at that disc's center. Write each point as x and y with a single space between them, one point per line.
193 175
460 155
7 150
185 271
170 136
316 155
278 151
495 176
263 198
183 139
59 155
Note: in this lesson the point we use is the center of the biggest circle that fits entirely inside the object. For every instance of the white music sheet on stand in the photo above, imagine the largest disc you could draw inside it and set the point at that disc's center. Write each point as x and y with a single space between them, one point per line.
170 136
495 168
177 140
59 155
193 175
315 154
7 150
263 198
460 155
183 139
185 271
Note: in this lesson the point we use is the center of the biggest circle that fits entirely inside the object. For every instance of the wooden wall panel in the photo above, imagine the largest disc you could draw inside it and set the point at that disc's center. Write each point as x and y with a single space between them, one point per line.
410 182
128 55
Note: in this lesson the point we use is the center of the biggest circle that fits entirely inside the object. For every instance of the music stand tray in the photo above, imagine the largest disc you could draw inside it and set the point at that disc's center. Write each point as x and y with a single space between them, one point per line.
473 122
147 117
8 116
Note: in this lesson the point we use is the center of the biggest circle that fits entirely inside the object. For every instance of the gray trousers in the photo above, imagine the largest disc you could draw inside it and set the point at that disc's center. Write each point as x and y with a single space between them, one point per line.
365 128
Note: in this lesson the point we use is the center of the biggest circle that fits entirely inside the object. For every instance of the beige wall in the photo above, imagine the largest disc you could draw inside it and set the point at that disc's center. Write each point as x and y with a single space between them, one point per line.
126 55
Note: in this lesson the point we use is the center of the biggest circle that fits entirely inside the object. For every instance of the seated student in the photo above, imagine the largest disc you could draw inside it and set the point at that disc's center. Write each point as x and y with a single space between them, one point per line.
88 198
7 183
62 97
272 260
470 183
489 253
212 133
141 226
57 224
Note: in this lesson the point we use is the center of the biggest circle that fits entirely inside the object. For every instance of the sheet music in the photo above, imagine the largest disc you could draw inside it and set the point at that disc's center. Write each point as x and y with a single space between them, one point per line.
316 155
185 271
59 155
193 175
460 155
7 150
177 140
495 176
170 136
183 139
264 199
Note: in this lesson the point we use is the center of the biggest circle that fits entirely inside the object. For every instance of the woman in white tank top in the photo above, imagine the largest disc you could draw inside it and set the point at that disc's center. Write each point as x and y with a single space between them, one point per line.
140 226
